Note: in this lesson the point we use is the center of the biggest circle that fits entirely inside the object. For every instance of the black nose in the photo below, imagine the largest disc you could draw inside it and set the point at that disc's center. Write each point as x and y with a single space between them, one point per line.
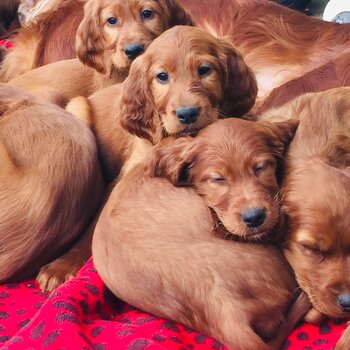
133 50
254 217
187 115
344 301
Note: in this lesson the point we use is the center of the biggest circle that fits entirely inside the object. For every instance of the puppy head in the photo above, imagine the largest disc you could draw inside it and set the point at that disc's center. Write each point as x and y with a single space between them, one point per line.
317 246
114 32
232 164
186 79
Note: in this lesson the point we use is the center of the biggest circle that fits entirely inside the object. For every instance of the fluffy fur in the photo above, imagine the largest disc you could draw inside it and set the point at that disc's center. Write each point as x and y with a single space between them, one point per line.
235 178
101 48
50 182
127 119
145 108
316 200
168 251
279 44
335 73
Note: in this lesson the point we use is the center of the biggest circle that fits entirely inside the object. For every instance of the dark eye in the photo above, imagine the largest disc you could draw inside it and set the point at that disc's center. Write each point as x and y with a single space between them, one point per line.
163 77
112 21
204 70
146 14
260 167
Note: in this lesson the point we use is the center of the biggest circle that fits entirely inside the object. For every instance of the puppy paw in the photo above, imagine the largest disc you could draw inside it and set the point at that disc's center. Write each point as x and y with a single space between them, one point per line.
315 317
55 273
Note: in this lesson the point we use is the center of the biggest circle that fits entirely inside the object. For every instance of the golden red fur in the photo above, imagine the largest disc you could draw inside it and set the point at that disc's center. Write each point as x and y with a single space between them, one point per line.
167 250
316 200
50 182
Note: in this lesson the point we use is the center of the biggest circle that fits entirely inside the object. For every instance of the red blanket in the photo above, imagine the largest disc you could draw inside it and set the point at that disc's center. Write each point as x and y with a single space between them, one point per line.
83 314
6 43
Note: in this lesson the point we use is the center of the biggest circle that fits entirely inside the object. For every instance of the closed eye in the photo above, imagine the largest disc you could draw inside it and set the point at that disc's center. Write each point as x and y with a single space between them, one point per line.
218 179
261 167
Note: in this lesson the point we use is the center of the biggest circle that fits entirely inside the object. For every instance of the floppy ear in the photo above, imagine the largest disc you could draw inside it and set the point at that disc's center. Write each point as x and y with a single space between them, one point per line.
176 14
90 41
138 114
238 82
172 160
280 134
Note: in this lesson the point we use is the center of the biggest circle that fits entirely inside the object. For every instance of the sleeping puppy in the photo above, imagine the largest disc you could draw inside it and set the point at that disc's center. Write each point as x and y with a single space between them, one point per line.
50 182
155 241
241 191
184 81
111 35
316 200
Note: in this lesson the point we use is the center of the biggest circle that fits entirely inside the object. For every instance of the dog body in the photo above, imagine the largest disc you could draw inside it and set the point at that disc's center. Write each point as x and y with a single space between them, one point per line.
335 73
185 80
109 37
316 201
279 44
169 250
50 186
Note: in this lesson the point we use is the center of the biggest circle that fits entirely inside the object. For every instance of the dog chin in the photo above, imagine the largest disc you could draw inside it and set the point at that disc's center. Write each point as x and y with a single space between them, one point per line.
118 73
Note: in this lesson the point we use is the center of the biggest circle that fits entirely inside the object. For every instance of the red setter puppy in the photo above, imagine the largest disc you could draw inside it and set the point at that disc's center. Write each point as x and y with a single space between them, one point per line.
184 81
335 73
168 251
50 182
242 191
108 39
279 44
316 199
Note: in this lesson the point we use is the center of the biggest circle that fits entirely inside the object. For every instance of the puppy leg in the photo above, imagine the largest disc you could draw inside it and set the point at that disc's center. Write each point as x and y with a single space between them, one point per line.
79 107
67 266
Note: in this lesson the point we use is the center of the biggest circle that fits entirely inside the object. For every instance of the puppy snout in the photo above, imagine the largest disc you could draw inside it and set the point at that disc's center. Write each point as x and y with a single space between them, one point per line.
133 50
254 217
187 115
343 301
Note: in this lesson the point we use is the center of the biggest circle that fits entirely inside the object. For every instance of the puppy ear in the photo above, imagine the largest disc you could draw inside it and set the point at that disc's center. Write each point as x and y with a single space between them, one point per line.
238 82
172 159
90 42
280 134
176 14
138 114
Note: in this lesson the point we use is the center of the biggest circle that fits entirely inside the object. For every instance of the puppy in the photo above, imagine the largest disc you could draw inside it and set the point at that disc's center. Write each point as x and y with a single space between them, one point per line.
50 182
108 39
279 44
316 201
168 251
241 191
184 81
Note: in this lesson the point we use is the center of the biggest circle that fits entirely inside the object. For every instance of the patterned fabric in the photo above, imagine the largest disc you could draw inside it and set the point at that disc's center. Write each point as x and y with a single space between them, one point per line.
83 314
6 43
